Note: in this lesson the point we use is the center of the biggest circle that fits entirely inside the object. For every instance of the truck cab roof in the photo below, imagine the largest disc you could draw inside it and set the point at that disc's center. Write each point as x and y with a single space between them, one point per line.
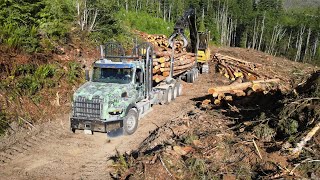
106 63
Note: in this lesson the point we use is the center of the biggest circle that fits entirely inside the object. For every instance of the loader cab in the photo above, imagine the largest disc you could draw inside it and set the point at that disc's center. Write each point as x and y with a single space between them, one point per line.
203 47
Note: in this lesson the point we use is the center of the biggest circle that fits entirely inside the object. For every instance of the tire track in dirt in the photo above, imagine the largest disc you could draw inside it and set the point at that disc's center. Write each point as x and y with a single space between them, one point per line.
10 153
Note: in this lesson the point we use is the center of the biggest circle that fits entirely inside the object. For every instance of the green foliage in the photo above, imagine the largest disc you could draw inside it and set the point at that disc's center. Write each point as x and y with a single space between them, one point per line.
288 126
3 122
33 79
310 167
198 167
143 21
74 72
264 132
190 138
24 23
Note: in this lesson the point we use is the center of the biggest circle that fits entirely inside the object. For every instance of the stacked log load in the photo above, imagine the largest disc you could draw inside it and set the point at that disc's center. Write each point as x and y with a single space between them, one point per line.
183 60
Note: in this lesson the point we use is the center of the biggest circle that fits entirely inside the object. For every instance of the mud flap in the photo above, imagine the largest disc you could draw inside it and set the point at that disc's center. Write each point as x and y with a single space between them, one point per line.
115 133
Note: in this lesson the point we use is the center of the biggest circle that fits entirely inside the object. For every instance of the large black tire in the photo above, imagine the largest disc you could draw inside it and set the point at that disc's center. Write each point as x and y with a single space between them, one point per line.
130 122
179 89
190 77
175 91
167 96
196 72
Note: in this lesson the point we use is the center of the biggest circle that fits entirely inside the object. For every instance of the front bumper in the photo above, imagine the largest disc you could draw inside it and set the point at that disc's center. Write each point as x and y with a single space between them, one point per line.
95 125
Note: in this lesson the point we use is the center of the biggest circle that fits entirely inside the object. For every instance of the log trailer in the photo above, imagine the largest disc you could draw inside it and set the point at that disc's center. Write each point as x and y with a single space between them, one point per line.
198 40
120 91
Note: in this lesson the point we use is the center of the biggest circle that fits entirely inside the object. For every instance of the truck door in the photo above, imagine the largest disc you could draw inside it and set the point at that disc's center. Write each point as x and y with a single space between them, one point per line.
140 84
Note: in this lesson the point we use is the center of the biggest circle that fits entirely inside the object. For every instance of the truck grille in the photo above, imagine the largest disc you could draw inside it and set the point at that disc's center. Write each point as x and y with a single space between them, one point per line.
87 108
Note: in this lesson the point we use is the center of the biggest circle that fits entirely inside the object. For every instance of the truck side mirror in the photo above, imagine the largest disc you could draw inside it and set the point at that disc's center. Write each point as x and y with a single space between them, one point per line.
87 75
139 77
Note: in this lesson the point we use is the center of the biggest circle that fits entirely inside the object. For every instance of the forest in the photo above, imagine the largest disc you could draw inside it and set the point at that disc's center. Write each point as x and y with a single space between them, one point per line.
266 25
277 27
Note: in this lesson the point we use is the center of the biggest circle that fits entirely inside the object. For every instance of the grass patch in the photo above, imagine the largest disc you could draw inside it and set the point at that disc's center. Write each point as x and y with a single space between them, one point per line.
3 122
145 22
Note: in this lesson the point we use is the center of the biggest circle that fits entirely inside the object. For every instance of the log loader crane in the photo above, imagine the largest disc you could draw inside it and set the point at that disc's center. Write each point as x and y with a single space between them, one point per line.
198 40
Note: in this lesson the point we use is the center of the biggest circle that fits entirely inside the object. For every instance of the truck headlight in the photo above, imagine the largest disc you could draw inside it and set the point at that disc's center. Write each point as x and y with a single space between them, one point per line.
116 112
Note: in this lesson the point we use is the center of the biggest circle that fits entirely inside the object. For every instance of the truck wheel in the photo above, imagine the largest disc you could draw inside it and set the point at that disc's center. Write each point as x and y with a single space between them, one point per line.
179 89
205 69
175 91
196 72
130 122
167 96
190 77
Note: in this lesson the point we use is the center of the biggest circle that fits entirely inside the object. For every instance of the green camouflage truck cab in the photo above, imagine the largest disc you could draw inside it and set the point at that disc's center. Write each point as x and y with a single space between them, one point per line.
103 103
120 93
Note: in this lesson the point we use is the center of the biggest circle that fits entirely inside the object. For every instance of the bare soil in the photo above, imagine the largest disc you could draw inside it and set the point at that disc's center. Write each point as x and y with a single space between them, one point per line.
52 151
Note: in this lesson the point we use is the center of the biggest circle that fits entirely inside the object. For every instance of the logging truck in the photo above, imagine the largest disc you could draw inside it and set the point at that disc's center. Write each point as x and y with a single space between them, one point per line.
120 90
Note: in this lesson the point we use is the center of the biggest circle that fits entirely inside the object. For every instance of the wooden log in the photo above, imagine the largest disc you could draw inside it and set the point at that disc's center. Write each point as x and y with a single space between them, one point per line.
239 93
221 96
228 98
159 78
220 56
297 150
217 102
240 86
206 102
155 71
166 74
157 67
177 67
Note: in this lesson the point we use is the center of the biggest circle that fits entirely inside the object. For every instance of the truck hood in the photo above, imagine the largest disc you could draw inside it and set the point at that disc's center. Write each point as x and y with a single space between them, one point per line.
107 91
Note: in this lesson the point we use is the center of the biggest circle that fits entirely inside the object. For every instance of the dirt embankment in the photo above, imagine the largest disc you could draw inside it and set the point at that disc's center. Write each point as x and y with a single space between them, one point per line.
37 87
179 140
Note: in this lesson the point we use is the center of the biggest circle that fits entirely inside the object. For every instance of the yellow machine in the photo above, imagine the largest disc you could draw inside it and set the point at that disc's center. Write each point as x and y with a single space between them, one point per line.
203 51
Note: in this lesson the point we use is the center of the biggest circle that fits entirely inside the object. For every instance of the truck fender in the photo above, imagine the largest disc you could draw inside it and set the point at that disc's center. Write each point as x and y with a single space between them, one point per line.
132 105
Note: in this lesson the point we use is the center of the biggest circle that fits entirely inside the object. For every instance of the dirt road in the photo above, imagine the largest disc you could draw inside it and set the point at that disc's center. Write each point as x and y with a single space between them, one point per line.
52 151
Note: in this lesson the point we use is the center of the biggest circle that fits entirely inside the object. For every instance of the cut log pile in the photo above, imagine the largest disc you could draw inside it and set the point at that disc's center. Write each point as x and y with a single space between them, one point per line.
183 60
234 68
242 89
245 76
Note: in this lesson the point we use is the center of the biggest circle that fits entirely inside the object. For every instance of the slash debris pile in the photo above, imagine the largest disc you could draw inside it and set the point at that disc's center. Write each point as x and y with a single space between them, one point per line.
183 60
265 136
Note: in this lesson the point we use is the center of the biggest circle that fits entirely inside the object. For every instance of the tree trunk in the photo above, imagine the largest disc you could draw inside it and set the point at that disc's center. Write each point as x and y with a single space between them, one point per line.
127 6
262 31
254 34
298 54
315 46
169 18
289 41
307 46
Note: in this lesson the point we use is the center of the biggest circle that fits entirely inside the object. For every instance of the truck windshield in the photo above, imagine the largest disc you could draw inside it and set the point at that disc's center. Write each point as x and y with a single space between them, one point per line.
112 75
